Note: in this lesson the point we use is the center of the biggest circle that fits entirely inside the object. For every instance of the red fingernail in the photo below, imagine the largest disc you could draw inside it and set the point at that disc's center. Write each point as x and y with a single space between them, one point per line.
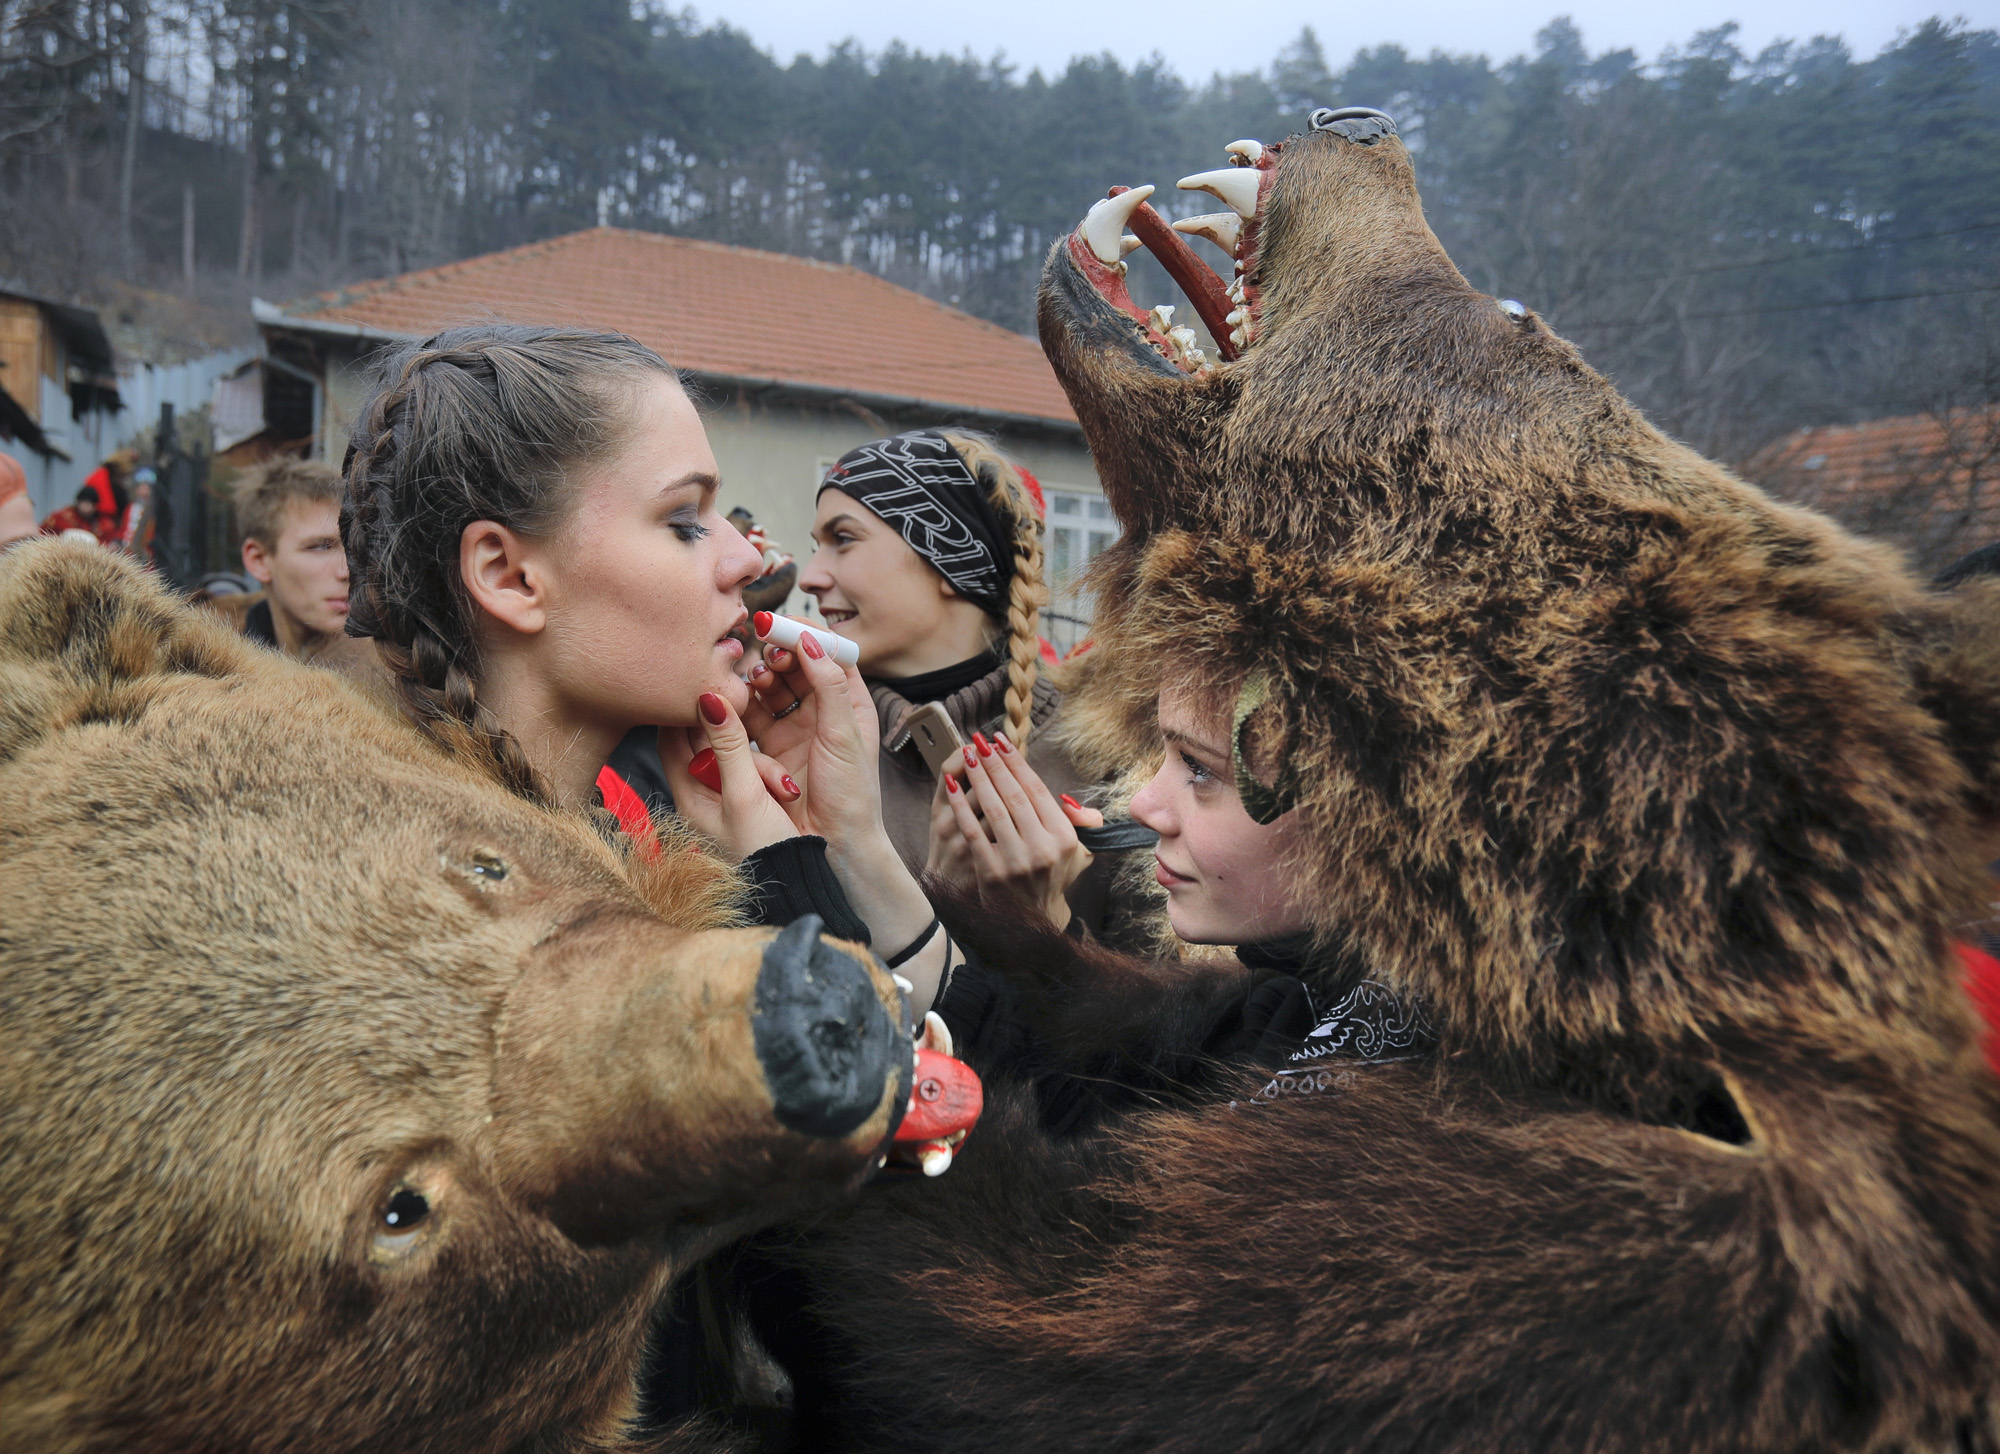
704 769
1072 802
985 747
790 786
970 760
950 783
713 709
762 621
1000 741
809 644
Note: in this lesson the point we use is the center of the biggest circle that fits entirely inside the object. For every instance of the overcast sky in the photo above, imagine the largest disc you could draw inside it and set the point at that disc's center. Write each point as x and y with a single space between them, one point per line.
1237 35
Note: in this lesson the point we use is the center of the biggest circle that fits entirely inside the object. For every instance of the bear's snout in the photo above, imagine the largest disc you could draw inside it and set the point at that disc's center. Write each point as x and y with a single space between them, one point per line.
823 1037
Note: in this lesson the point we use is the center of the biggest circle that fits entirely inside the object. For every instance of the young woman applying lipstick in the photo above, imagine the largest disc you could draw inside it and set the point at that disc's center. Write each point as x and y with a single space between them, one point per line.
533 542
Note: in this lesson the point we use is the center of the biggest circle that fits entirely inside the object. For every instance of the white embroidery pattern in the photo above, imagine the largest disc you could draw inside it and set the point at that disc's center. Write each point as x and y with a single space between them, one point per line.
1370 1025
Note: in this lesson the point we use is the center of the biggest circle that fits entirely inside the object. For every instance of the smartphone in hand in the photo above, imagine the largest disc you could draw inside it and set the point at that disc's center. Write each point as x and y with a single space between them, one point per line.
936 736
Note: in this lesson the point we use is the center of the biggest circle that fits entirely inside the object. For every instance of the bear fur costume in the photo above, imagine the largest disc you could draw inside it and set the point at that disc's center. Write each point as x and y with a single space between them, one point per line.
348 1101
1659 795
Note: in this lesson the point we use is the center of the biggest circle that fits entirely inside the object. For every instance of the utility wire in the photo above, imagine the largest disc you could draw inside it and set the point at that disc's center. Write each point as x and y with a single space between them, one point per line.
1783 308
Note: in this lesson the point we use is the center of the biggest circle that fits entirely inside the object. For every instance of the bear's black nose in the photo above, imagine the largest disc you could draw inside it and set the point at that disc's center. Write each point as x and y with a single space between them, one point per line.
828 1047
1357 123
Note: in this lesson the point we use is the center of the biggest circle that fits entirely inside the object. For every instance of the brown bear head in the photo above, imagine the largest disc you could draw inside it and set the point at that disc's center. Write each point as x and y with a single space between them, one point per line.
346 1100
1598 748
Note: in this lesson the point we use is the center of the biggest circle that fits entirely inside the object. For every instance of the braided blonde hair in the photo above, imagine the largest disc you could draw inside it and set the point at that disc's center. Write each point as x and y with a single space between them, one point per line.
478 423
1001 478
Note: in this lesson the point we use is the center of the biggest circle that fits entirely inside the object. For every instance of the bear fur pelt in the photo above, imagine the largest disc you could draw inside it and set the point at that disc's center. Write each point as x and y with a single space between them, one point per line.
347 1101
1660 795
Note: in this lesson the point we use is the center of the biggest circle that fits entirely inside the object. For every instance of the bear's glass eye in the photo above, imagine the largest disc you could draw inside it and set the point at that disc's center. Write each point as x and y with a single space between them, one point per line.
406 1208
489 866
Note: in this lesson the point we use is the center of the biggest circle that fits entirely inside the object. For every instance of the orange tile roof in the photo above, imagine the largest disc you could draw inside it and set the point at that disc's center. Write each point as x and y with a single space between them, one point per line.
731 311
1931 483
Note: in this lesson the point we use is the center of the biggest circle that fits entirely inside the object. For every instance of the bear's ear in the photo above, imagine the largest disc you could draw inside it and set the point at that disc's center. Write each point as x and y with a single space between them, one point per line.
1958 674
98 619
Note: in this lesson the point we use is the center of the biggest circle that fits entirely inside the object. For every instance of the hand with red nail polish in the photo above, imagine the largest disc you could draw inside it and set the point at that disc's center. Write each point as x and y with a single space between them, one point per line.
1005 834
723 785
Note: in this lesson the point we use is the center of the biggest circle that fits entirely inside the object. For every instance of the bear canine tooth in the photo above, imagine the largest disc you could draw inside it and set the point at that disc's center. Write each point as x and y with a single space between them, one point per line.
1238 186
1224 229
1252 152
1103 226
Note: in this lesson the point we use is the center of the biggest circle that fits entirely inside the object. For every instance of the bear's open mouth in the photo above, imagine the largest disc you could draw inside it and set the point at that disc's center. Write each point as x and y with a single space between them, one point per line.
1227 310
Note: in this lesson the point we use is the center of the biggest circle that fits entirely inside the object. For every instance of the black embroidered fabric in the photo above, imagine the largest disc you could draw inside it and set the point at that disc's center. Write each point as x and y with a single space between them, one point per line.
1370 1024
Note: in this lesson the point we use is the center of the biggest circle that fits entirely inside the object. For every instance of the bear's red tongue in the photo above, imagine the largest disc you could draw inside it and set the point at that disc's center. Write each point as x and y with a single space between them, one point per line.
945 1101
1196 278
1101 243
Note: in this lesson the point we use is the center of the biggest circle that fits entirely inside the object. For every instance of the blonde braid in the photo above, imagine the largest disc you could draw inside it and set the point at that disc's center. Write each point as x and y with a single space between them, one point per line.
1029 591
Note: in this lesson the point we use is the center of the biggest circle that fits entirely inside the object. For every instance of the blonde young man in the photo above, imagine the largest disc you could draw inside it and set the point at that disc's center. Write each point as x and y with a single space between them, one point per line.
289 512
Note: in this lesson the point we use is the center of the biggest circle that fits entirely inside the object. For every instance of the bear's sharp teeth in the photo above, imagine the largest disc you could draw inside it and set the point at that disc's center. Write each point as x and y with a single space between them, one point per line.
1103 226
1128 244
1237 186
1183 342
1163 317
1252 152
1224 229
1235 290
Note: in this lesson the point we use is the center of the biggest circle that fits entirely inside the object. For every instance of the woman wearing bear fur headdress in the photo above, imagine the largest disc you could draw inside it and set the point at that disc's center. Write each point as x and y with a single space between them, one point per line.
1654 797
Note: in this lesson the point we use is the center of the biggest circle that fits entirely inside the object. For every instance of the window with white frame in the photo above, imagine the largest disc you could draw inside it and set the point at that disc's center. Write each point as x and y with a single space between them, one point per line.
1079 529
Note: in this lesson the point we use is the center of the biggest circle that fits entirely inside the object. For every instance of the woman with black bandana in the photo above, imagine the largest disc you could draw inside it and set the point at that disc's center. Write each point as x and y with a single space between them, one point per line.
929 559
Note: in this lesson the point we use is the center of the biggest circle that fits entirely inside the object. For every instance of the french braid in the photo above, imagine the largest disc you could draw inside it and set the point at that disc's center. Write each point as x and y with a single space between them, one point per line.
479 423
1001 478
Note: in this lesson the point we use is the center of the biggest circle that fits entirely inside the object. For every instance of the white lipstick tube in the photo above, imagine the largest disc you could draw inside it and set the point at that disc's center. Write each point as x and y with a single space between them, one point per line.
784 631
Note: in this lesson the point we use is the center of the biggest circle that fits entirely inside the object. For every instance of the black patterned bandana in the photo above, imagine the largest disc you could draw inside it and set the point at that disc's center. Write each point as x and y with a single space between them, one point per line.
917 483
